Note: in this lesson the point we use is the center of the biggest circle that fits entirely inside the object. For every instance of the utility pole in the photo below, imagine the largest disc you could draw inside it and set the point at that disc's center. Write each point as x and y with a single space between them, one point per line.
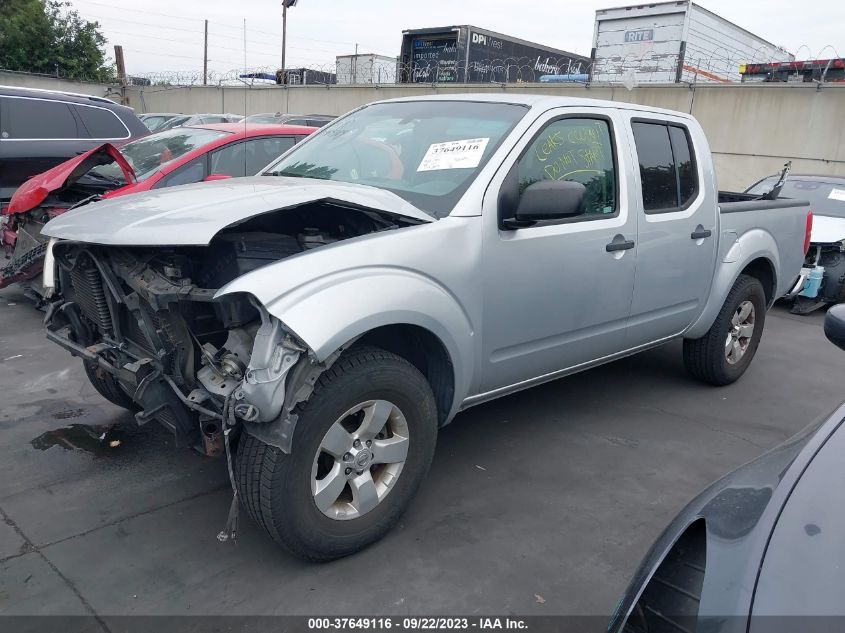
121 73
205 57
285 5
121 67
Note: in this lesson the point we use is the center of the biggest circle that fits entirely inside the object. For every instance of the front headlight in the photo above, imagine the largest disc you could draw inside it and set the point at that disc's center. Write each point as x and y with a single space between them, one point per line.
49 275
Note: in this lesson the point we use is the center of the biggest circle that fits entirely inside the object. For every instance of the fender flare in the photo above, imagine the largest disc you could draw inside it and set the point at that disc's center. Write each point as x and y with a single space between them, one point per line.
754 245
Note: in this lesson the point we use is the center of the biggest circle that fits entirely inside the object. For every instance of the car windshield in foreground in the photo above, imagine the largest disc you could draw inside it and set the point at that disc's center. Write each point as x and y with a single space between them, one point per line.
825 198
427 152
149 154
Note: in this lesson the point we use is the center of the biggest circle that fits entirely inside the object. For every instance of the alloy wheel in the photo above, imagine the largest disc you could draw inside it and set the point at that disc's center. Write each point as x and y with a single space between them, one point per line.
359 459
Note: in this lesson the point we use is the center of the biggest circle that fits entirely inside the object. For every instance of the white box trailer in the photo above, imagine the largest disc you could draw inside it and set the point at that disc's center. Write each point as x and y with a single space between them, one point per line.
673 42
365 68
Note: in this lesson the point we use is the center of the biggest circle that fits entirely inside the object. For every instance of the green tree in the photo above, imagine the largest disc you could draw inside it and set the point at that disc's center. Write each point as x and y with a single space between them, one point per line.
48 36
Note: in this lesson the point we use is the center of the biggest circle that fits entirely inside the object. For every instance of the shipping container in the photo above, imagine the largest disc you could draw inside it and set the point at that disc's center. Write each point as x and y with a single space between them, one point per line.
306 77
468 54
673 42
808 71
365 68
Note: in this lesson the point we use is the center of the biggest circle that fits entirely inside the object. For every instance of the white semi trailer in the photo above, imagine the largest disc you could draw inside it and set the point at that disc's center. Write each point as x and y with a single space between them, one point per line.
674 42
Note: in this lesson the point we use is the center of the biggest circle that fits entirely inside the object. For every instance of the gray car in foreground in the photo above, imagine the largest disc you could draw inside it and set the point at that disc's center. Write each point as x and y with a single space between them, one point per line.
416 257
761 549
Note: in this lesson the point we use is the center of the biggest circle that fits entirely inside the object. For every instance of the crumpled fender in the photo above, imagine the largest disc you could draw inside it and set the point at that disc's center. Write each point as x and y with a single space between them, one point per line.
337 308
349 292
35 190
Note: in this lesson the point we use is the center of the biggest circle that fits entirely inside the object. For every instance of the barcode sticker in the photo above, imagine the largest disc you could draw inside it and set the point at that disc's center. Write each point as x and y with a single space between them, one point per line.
462 154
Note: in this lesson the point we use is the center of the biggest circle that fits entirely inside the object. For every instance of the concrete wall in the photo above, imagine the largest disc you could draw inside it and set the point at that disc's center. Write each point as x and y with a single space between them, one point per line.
752 129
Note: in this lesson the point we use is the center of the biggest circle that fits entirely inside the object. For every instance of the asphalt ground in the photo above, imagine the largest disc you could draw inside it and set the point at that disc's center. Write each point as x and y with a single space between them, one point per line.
541 503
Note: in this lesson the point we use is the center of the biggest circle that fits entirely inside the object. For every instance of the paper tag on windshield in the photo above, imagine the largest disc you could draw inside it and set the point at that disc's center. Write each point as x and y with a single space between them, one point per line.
454 154
837 194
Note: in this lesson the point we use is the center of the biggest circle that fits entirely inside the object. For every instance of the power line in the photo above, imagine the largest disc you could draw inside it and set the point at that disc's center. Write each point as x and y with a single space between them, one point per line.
221 24
250 51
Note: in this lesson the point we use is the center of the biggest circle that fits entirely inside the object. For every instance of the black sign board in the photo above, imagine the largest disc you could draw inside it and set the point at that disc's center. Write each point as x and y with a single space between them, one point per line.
494 59
434 60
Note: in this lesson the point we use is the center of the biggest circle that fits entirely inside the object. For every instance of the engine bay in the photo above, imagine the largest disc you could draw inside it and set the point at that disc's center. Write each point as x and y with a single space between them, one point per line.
148 317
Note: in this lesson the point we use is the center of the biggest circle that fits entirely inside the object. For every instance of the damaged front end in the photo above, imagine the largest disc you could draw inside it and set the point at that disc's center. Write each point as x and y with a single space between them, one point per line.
823 278
181 357
44 197
148 318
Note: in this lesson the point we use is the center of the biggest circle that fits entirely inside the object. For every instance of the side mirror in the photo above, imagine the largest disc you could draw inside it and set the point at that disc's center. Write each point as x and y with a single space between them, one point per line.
834 326
212 177
548 200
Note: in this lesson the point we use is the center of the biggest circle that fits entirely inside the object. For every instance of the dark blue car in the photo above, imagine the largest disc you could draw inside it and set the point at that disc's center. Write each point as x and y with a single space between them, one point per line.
762 549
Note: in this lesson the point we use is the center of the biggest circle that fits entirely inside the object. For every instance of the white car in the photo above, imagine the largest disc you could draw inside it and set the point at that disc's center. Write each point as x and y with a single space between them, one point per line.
824 268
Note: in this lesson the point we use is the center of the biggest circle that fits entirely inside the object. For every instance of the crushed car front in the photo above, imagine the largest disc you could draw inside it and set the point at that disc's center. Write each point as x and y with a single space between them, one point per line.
144 316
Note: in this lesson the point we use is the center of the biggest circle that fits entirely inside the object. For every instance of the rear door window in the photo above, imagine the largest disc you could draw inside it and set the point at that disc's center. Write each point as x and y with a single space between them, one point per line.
102 123
192 172
687 176
229 160
39 119
260 152
667 169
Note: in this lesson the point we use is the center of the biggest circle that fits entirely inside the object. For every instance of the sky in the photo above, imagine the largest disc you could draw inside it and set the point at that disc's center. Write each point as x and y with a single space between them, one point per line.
167 35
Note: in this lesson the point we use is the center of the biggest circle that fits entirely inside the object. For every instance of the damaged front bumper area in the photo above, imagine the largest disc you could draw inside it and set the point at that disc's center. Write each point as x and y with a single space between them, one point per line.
191 363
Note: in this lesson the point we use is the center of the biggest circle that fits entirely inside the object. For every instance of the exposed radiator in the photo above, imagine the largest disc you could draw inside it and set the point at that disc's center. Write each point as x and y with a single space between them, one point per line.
89 294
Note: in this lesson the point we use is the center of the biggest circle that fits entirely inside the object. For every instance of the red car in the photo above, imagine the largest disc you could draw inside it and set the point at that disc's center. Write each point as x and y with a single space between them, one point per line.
174 157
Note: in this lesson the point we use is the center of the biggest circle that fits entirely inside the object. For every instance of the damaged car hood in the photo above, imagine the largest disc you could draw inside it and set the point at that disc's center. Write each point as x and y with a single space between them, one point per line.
35 190
191 215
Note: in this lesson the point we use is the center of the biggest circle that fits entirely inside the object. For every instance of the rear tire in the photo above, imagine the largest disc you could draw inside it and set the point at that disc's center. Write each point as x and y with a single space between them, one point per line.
289 494
108 387
722 355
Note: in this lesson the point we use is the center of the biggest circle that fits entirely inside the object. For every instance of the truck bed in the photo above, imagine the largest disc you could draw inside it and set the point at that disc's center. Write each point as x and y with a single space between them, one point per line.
782 221
732 202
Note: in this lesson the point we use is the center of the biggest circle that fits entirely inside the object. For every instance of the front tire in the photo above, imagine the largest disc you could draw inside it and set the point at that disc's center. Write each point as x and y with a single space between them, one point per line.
363 444
722 355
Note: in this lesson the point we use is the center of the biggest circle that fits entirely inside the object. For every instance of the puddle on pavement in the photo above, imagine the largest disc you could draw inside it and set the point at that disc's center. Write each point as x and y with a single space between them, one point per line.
98 440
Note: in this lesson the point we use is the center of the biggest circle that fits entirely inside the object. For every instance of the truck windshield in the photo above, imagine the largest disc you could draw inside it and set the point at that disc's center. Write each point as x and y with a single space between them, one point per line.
825 198
427 152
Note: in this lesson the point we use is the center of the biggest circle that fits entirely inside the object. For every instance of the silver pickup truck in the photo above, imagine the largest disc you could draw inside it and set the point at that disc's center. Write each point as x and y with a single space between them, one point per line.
416 257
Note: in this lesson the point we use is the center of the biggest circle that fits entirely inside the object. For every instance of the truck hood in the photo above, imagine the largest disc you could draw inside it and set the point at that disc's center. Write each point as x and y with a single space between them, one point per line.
191 215
827 229
35 190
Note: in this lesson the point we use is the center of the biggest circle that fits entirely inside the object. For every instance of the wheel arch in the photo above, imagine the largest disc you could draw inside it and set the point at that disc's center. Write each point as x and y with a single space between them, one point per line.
759 265
425 351
763 270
